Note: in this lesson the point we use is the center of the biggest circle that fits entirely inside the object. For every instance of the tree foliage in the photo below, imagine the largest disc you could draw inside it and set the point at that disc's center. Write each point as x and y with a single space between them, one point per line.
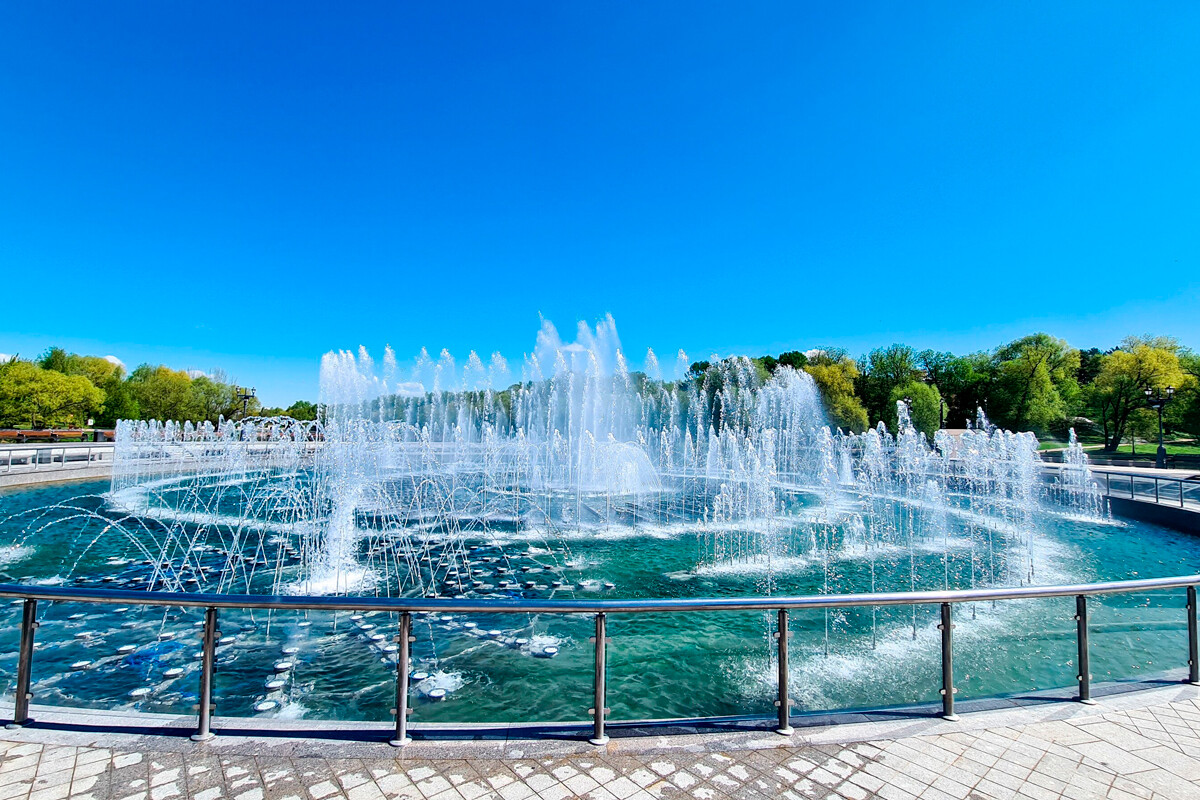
1034 382
835 381
1139 363
1037 383
924 406
881 371
44 398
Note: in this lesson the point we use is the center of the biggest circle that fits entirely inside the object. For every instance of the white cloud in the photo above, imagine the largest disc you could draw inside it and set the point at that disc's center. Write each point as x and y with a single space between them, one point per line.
196 373
115 360
410 389
4 357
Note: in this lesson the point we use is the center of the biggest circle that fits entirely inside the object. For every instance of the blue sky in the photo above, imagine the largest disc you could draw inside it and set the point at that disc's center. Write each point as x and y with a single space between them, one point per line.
248 186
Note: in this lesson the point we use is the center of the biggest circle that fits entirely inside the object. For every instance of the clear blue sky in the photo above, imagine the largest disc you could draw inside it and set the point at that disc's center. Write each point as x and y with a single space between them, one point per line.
250 185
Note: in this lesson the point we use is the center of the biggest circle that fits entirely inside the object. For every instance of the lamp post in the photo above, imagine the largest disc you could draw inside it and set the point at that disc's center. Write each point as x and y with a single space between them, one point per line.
245 395
1157 400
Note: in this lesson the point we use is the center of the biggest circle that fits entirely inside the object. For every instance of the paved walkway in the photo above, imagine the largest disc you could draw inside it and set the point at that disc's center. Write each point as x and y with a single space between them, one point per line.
1141 745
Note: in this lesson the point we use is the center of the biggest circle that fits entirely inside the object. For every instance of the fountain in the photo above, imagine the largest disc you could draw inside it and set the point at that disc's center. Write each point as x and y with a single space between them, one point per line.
578 477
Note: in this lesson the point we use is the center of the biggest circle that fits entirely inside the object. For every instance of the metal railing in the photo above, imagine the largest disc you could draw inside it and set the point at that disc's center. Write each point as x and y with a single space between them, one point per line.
45 458
1178 492
600 609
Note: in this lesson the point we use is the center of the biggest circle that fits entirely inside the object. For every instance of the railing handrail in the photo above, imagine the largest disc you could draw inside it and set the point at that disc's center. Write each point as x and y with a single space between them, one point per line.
665 605
211 603
1143 476
1178 501
92 452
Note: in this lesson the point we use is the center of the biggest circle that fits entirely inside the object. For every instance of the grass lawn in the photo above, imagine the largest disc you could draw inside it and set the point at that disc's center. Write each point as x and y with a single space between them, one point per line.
1189 449
1050 444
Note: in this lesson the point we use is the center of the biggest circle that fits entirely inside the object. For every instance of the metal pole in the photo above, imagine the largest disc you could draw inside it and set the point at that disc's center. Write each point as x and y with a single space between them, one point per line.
1193 639
403 658
599 737
784 703
1156 488
29 624
209 648
1081 629
1160 459
948 690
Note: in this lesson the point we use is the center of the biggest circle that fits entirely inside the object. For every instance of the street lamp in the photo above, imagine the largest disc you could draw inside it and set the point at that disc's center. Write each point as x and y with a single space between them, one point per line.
1157 400
245 395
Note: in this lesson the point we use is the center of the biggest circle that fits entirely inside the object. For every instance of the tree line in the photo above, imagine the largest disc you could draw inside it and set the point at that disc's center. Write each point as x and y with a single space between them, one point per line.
65 390
1036 383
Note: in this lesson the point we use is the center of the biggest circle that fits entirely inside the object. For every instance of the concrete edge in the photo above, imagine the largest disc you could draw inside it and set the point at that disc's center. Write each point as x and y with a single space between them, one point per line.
144 732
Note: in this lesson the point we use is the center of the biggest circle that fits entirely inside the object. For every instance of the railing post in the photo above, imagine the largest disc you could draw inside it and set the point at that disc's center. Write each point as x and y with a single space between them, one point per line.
948 690
209 651
599 737
1156 488
403 655
29 624
1081 636
1193 639
784 702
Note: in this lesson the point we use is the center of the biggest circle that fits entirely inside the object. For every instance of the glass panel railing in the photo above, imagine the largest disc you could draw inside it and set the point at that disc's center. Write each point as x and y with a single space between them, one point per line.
1138 637
1015 648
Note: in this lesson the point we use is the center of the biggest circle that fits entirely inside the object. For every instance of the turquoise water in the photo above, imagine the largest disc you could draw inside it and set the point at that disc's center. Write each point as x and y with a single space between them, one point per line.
662 665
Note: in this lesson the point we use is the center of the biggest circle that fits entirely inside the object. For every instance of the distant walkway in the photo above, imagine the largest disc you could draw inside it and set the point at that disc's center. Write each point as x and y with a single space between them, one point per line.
1139 745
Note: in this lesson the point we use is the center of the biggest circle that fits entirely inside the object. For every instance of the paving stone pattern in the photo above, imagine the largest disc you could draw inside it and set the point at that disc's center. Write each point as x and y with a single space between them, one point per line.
1151 753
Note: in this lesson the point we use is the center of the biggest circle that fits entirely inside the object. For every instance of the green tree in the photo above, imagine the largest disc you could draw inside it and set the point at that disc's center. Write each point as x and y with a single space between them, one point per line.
1143 424
1184 413
161 393
963 382
305 411
924 406
1089 365
881 371
96 369
119 402
1034 382
794 359
36 397
835 381
1139 363
210 400
55 358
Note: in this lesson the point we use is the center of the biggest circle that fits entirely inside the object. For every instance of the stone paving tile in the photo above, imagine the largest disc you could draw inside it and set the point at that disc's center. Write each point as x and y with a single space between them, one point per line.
1150 753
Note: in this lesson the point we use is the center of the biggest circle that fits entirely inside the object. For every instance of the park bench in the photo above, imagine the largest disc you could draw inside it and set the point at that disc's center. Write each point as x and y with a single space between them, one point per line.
53 435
